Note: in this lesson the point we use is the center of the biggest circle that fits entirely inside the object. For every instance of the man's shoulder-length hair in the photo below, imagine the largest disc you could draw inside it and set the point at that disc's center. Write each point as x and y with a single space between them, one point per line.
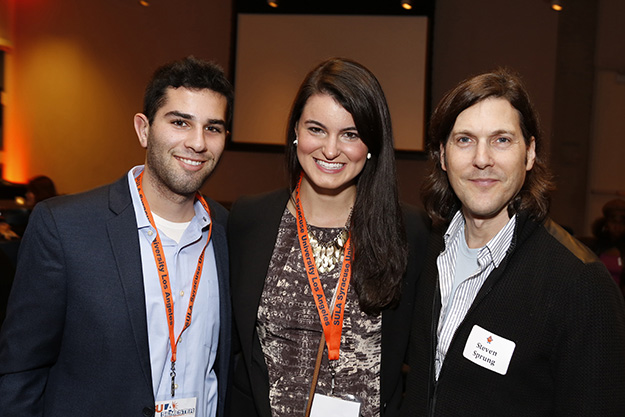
439 198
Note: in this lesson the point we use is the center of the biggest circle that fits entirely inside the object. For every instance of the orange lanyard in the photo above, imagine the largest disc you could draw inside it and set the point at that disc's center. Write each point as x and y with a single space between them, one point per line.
163 273
331 321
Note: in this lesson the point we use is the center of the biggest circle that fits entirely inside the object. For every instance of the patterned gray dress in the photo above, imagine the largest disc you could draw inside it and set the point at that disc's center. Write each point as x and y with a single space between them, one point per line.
289 329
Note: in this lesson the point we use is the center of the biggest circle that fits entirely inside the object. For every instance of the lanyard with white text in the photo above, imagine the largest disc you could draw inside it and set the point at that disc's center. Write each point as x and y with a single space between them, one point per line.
163 273
331 321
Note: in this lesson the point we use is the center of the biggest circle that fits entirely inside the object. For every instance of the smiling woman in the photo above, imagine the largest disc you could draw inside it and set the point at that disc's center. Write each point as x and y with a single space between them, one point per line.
329 149
317 268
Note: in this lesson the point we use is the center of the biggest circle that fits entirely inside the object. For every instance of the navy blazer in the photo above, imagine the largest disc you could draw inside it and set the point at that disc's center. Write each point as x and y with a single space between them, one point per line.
252 232
75 339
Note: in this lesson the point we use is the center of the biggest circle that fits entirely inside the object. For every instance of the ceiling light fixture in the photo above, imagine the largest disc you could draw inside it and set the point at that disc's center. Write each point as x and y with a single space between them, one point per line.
556 5
406 4
273 3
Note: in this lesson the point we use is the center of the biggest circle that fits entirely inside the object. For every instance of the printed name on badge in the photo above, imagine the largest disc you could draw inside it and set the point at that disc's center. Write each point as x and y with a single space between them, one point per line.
176 407
489 350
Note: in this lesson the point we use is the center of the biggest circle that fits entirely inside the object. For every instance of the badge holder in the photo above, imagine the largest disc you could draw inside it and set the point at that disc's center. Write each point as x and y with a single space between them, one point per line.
348 407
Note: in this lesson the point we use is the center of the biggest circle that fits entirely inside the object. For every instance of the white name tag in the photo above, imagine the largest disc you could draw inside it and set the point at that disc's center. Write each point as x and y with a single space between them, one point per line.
324 406
488 350
176 407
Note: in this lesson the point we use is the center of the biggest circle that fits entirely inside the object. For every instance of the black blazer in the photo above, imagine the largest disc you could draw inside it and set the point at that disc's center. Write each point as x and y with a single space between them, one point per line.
75 339
252 232
555 300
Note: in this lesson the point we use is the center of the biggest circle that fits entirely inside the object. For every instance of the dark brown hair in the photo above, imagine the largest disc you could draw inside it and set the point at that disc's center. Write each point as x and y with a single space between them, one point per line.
377 230
41 187
439 198
191 73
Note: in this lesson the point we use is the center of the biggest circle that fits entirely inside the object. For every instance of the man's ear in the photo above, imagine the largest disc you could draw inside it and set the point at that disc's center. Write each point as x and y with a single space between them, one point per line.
442 157
142 127
531 154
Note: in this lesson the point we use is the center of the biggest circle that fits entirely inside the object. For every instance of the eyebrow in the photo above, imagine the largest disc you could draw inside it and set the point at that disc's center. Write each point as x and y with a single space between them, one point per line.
496 132
188 116
323 126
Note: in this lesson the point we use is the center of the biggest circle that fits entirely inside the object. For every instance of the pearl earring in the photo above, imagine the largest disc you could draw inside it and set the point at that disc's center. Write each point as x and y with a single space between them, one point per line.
369 155
295 142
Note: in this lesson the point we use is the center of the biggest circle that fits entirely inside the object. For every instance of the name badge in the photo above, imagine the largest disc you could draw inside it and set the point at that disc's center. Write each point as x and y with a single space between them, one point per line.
489 350
176 407
324 406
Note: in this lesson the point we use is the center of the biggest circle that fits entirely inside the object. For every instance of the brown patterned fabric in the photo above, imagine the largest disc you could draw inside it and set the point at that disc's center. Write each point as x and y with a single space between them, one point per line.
290 330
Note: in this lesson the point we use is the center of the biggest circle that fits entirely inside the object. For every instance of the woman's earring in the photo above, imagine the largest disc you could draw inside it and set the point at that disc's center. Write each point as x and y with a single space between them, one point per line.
295 143
369 155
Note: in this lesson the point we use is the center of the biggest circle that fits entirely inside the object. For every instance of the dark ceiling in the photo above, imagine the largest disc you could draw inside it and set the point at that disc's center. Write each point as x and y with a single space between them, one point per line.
352 7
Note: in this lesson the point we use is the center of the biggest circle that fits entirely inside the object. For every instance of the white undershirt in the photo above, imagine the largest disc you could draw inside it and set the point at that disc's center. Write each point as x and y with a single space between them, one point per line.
172 230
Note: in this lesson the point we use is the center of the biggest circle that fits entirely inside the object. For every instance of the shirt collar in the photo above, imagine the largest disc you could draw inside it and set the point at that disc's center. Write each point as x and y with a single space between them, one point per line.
201 216
495 249
142 219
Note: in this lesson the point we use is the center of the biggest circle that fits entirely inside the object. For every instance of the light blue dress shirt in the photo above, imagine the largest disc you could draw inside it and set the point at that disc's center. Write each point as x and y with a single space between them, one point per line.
197 348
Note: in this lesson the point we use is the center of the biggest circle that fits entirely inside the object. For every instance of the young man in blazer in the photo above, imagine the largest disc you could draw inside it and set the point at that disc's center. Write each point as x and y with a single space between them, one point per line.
120 304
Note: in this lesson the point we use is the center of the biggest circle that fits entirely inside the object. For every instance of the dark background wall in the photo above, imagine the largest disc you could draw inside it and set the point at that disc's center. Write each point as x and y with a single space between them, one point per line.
76 70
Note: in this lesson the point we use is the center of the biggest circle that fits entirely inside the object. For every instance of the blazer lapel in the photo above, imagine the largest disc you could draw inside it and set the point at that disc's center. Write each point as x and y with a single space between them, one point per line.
220 247
122 230
221 256
260 242
251 247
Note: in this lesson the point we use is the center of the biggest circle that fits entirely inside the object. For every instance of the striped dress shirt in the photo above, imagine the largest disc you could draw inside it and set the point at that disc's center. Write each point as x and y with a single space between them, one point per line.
455 304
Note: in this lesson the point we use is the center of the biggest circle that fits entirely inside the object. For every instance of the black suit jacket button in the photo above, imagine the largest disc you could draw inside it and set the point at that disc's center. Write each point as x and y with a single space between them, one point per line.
148 411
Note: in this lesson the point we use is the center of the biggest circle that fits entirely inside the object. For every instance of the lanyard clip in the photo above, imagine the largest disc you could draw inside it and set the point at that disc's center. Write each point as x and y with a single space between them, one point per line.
172 374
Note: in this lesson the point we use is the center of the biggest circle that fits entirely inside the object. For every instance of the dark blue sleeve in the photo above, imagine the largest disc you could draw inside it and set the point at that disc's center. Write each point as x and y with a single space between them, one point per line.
31 334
